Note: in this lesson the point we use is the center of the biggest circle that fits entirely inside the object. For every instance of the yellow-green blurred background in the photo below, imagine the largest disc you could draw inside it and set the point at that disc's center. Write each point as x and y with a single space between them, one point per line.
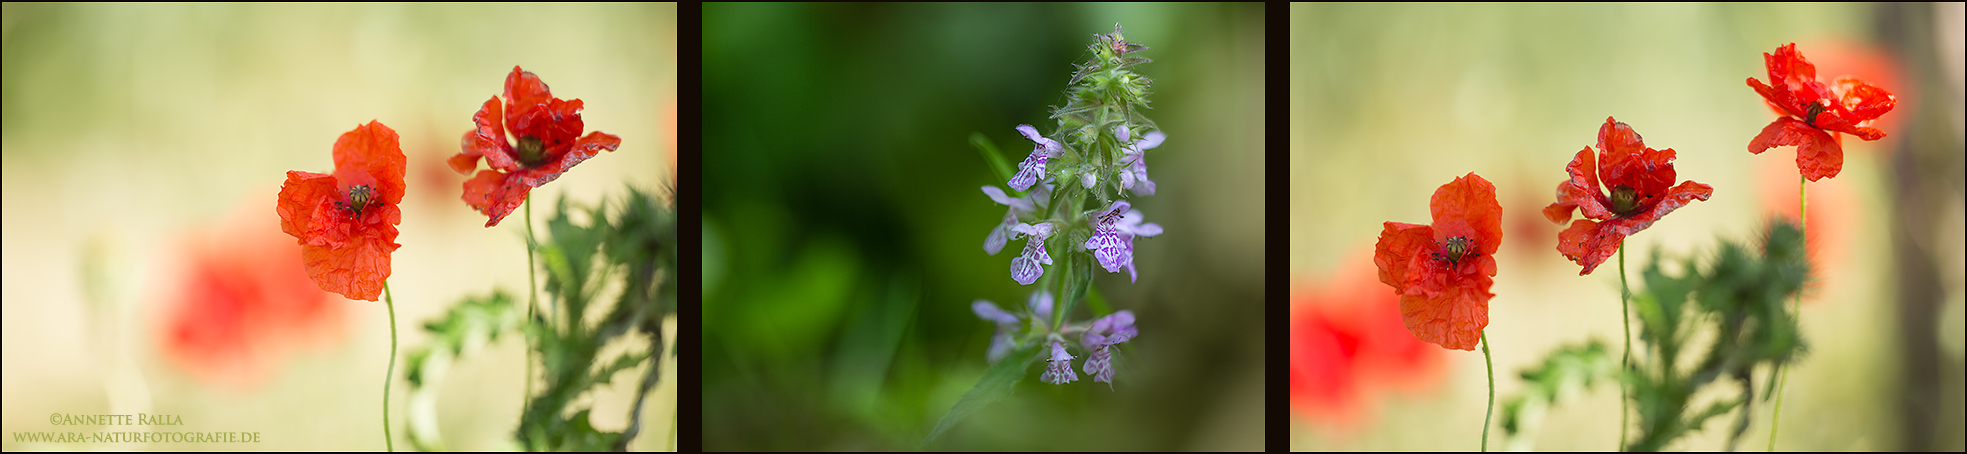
132 132
1388 102
843 226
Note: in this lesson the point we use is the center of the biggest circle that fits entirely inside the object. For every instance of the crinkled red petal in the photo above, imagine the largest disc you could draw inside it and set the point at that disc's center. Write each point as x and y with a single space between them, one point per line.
1581 191
587 147
494 194
1587 244
1399 243
523 88
1818 155
486 139
300 196
371 155
1624 160
356 270
1863 101
1467 207
1452 317
1679 196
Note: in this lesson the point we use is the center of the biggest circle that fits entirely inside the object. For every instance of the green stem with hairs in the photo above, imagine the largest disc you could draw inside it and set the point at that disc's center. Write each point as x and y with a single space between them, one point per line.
526 401
1802 227
1625 359
1489 410
389 302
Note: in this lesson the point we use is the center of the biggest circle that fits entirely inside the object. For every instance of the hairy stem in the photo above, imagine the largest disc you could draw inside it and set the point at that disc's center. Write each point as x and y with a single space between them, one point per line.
1490 409
1625 359
526 401
389 302
1802 227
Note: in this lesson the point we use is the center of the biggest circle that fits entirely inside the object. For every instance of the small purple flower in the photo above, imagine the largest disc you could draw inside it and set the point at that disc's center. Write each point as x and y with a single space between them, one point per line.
1033 166
1000 343
1020 207
1100 339
1134 175
1026 268
1059 369
1113 237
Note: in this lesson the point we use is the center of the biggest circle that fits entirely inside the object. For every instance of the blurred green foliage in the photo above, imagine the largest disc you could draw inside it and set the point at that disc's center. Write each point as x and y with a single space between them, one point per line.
1738 315
843 225
635 249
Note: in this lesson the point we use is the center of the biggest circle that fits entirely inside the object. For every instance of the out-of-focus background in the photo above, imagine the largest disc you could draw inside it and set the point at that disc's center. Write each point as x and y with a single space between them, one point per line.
1388 102
144 266
843 226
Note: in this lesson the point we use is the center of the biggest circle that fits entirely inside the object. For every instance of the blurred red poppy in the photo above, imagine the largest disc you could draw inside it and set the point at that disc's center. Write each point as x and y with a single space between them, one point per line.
1348 343
346 221
547 131
1638 178
242 302
1813 113
1443 271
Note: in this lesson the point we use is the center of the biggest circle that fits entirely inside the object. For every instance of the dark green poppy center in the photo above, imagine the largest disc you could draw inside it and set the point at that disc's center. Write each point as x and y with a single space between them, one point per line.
359 197
532 151
1456 248
1625 200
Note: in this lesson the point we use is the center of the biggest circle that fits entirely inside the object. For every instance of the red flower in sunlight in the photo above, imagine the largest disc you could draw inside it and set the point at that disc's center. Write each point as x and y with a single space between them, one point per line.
545 128
1346 344
1813 112
1638 178
243 302
1443 271
346 222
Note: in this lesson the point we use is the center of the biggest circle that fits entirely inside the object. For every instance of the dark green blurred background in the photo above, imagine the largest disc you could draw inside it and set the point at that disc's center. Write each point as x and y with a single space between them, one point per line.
843 226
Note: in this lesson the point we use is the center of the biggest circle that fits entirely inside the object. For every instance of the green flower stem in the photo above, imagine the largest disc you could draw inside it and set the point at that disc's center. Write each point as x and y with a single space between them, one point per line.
389 302
1489 410
526 401
1803 227
1625 359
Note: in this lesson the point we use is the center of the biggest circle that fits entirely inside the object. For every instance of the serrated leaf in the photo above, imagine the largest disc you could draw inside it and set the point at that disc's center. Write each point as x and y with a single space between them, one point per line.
997 382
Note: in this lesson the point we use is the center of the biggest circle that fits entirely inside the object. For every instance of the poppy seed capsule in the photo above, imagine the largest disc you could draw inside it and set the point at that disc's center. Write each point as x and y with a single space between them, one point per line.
1815 108
1459 247
532 151
1625 200
359 197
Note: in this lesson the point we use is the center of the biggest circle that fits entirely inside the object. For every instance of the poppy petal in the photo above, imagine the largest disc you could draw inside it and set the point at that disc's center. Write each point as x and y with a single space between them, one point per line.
300 196
371 155
1587 243
1467 208
487 139
1581 191
1399 243
523 88
1452 318
1863 101
1818 155
494 194
1679 196
355 270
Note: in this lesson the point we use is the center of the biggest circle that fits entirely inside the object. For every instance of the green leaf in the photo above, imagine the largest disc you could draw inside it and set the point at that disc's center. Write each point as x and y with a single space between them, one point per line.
991 156
996 382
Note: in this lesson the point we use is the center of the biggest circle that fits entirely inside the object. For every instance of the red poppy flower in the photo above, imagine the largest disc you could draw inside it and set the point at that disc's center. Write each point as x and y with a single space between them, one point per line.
546 129
346 221
1813 113
1347 343
1638 178
1443 271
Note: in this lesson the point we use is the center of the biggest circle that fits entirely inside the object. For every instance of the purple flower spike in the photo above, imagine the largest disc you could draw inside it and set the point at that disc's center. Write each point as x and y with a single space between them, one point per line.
1134 174
1059 370
1020 206
1000 343
1026 268
1033 166
1100 338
